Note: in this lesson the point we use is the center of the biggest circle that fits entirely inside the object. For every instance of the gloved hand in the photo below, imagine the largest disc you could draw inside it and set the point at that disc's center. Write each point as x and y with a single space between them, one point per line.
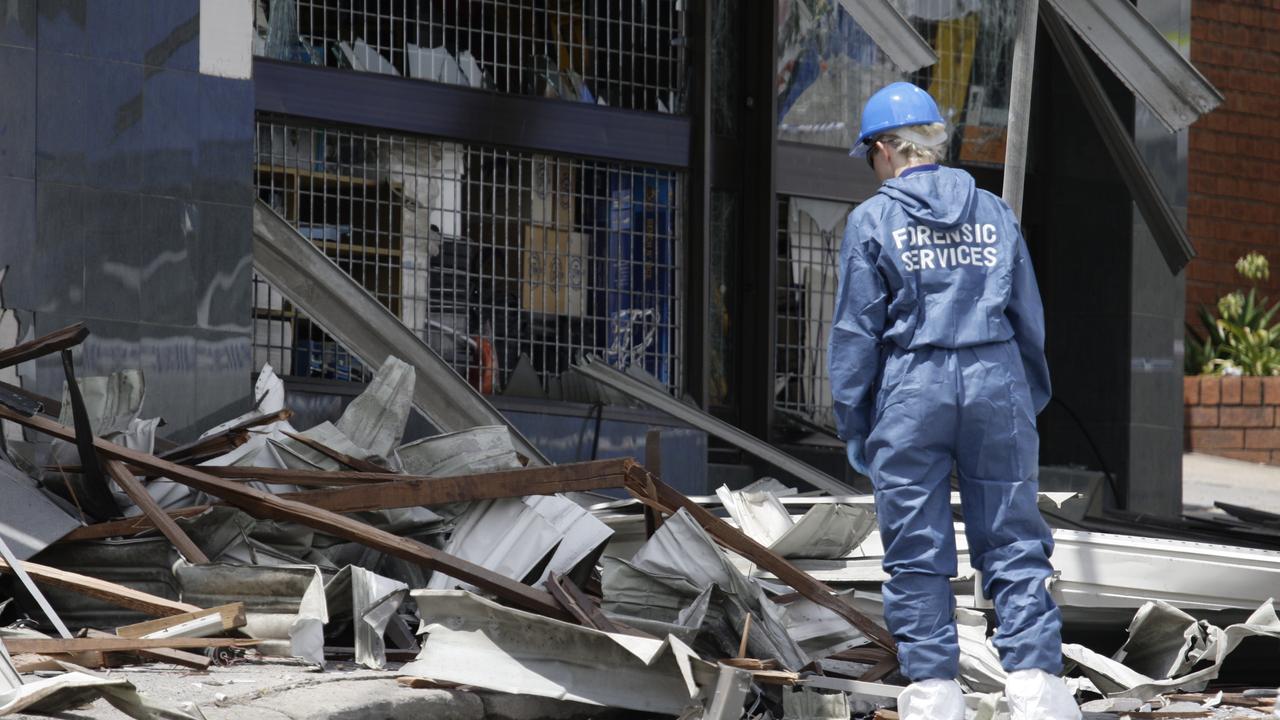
856 451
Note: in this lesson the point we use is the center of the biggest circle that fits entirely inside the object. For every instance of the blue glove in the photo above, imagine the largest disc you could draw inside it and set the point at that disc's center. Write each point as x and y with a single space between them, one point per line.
855 450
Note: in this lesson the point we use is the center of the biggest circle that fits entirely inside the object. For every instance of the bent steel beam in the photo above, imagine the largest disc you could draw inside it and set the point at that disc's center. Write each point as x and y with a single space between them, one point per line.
1142 58
631 387
1170 236
347 311
891 33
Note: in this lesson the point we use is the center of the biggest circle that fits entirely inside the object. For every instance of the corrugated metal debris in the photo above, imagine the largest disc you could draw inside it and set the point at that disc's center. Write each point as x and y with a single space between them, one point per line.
260 538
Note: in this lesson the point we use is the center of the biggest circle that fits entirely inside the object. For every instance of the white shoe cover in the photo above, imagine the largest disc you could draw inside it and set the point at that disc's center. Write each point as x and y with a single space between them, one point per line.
931 700
1037 695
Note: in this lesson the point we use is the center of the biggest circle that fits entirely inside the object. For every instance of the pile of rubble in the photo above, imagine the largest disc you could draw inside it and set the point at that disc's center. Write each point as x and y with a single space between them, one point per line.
490 570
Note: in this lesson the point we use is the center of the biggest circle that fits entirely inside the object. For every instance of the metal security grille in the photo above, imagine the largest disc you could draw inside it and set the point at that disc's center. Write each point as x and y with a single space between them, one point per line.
623 53
498 259
809 237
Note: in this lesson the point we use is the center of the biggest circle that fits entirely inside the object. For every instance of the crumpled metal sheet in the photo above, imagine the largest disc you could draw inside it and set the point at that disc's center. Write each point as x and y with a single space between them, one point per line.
1113 678
980 668
375 420
1108 570
473 641
273 597
825 531
512 536
822 633
684 559
804 703
111 401
369 600
486 448
30 521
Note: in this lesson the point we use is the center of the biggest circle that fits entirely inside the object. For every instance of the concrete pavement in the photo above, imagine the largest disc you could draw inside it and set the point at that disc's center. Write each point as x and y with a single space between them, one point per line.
1208 478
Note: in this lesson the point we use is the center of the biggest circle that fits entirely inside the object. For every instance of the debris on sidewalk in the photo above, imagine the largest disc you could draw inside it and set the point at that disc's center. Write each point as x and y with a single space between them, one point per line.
262 540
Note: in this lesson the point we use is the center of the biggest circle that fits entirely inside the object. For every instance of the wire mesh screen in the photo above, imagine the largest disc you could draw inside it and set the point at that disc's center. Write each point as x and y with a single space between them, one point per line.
809 237
623 53
497 259
827 67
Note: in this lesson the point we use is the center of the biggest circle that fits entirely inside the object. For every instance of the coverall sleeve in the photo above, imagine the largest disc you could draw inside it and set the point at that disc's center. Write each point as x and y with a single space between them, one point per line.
1026 315
853 356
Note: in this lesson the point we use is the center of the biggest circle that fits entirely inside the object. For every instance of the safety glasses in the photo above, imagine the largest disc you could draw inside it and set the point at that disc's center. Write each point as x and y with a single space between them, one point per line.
871 153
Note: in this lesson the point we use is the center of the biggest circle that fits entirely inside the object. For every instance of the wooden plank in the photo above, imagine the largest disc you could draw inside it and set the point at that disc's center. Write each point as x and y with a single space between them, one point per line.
232 618
224 442
168 655
33 662
49 646
409 491
155 513
102 590
264 505
206 448
56 341
653 491
306 478
125 527
354 463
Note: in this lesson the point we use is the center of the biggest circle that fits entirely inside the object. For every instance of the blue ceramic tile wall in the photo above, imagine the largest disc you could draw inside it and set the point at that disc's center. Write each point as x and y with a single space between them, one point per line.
126 199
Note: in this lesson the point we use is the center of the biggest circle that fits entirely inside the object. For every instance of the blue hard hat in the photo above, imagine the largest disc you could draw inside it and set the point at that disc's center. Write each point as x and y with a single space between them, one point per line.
894 106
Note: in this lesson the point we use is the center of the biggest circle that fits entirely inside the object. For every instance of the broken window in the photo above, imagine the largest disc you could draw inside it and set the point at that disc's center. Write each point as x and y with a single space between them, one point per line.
827 67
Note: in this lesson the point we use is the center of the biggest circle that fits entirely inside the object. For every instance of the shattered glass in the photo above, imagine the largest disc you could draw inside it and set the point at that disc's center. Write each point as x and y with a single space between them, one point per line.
827 67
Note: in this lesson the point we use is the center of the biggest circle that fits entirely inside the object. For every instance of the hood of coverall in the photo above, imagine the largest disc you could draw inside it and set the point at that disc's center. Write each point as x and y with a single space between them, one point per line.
940 198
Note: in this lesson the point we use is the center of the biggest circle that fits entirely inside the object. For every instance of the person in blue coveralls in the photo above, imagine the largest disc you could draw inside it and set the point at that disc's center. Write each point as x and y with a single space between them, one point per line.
937 361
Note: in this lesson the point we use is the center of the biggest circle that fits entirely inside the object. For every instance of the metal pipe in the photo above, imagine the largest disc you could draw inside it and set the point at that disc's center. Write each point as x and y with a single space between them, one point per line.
1015 148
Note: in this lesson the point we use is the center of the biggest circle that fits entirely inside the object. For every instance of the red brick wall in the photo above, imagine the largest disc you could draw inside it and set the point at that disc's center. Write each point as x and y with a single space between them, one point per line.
1233 172
1235 417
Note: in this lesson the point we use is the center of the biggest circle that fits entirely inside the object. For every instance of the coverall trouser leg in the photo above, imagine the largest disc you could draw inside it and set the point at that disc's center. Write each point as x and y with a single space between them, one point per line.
969 407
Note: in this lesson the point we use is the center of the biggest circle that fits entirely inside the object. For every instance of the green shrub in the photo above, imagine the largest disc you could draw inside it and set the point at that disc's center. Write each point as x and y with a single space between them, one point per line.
1242 340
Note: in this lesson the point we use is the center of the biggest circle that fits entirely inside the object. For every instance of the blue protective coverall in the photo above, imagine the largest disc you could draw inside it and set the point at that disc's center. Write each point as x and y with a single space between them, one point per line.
937 357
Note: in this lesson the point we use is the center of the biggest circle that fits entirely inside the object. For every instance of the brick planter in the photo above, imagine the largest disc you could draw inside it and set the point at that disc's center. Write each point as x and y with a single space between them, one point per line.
1235 417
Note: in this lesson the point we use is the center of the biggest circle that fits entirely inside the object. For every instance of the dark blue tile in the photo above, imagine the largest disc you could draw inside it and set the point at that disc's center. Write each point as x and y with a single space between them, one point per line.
113 256
224 376
116 130
61 26
58 264
62 112
171 130
222 263
168 360
118 29
167 231
18 23
224 169
112 346
173 37
17 112
21 287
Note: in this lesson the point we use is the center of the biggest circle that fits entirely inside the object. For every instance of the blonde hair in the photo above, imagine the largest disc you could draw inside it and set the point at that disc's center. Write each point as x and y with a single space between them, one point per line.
914 150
